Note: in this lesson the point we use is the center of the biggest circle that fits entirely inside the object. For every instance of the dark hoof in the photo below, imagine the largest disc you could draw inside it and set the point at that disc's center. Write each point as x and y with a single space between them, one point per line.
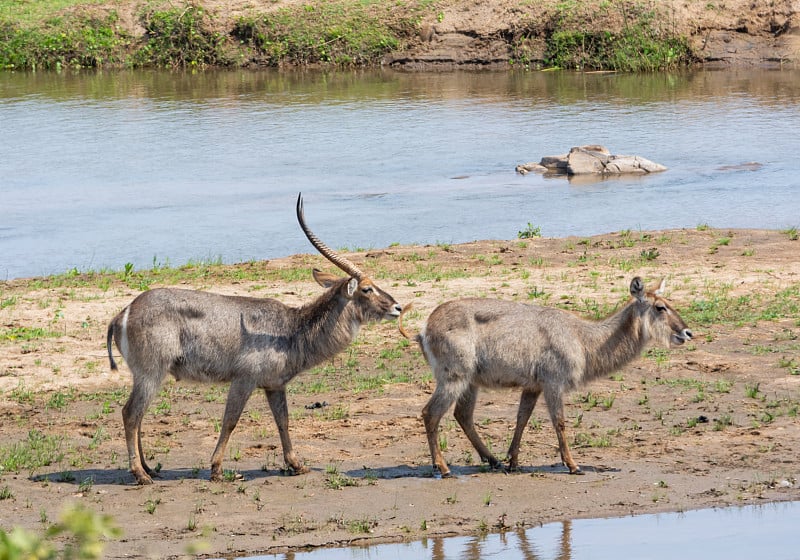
288 470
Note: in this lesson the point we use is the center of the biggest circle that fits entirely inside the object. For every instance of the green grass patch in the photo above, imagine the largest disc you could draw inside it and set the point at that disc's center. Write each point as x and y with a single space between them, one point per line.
748 308
27 333
339 33
36 451
26 13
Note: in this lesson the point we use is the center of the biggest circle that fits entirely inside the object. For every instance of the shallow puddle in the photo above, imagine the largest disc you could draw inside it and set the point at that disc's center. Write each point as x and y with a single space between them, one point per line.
765 531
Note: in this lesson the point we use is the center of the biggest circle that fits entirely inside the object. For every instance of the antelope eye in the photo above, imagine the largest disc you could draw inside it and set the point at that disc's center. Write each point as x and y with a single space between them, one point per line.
661 308
367 290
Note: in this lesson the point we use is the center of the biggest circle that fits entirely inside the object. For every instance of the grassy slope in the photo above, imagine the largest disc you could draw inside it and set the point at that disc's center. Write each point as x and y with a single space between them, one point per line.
61 33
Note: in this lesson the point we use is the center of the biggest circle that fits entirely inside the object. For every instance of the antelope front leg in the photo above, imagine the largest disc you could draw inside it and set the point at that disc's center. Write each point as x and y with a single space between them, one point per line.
238 395
526 404
556 408
280 411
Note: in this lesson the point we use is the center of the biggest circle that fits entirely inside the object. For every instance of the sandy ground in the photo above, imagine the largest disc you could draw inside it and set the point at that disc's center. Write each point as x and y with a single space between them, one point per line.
712 423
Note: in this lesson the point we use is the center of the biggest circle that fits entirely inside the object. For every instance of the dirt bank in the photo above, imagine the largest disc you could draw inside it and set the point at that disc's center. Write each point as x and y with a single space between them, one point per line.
712 423
448 34
721 34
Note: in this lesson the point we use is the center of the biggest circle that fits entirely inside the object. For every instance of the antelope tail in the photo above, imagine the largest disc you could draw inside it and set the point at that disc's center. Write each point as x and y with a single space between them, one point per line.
403 331
110 344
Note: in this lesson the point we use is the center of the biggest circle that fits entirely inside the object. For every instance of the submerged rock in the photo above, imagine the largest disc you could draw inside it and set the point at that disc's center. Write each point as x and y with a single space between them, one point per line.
591 160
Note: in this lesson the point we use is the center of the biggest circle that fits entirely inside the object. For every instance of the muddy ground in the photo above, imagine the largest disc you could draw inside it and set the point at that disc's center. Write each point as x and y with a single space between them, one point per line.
709 424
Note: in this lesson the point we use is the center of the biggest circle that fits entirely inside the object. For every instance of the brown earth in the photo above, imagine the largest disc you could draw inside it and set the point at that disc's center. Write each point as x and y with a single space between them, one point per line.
479 34
711 423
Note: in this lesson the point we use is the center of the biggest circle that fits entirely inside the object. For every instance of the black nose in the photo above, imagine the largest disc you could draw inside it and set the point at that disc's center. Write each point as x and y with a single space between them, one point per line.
687 334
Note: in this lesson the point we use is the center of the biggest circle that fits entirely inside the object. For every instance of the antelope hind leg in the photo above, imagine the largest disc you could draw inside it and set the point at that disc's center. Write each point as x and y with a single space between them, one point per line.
437 406
132 414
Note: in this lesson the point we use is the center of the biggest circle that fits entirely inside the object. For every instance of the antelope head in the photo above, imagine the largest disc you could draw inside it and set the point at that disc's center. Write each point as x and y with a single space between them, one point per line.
661 320
373 303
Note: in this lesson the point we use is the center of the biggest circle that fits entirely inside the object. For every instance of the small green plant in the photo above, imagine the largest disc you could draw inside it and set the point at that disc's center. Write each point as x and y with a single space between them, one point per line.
361 526
649 254
86 485
230 475
752 391
536 293
6 493
722 422
59 400
791 233
530 232
790 364
336 480
151 505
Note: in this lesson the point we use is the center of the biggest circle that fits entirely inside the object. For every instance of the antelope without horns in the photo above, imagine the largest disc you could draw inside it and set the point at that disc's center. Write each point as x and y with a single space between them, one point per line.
473 343
250 342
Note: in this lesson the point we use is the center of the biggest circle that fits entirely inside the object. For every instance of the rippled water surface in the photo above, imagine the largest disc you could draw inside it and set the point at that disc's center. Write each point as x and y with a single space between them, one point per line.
101 169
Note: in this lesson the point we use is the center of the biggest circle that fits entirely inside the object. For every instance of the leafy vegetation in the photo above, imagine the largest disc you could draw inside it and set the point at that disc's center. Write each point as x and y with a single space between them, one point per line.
343 34
179 37
71 41
85 532
645 42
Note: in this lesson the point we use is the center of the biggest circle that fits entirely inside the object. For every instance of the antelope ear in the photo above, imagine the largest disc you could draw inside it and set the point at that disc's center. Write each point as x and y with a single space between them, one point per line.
324 279
352 285
637 288
661 287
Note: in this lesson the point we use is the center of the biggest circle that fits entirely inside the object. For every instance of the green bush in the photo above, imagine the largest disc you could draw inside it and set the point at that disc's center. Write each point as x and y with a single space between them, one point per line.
179 38
75 42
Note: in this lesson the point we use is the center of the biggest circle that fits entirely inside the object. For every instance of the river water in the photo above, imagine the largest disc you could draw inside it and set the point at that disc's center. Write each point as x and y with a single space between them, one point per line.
101 169
733 533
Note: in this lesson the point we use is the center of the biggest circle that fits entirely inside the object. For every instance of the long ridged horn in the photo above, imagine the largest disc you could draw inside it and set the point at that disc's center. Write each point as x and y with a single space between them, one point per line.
324 250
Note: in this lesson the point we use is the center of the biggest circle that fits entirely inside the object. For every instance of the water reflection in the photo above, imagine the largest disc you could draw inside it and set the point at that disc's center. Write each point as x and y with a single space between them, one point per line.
304 87
764 531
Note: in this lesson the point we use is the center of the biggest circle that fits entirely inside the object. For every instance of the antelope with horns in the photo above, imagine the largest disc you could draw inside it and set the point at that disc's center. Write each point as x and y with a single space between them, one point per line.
249 342
473 343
